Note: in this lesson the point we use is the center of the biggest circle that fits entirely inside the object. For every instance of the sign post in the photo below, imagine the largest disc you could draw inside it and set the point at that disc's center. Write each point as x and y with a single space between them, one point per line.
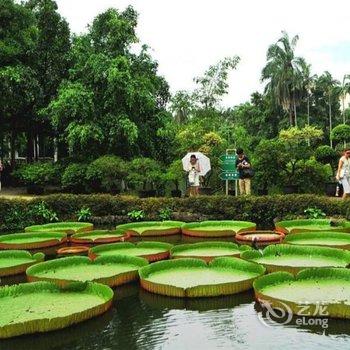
228 168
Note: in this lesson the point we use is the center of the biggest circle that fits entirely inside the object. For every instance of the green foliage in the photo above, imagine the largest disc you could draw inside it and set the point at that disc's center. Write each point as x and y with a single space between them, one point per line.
74 178
326 155
314 213
144 173
42 210
136 215
36 174
341 133
175 173
106 173
165 214
212 86
84 214
15 214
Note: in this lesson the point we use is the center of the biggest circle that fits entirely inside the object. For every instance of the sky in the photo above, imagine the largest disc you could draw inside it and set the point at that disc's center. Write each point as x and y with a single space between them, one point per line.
187 36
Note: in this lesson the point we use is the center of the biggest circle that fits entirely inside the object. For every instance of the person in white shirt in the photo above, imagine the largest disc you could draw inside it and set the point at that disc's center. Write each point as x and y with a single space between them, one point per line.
343 173
193 175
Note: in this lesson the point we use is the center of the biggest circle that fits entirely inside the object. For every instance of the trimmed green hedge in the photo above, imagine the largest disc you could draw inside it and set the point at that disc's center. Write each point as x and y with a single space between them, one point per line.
15 214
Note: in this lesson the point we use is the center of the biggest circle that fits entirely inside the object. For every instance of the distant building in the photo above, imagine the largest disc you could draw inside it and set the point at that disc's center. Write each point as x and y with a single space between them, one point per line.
346 102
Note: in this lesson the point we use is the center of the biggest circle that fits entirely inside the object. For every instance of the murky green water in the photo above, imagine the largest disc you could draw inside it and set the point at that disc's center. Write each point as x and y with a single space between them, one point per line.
141 320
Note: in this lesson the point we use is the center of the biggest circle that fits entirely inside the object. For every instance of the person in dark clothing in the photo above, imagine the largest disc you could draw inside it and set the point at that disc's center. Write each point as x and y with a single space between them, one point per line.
243 165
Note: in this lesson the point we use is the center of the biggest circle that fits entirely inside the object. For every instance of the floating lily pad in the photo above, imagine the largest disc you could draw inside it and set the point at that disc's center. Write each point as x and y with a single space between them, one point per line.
321 292
73 250
152 228
14 262
207 250
216 228
194 278
152 251
285 257
99 236
295 226
329 239
259 238
43 306
32 240
110 270
69 228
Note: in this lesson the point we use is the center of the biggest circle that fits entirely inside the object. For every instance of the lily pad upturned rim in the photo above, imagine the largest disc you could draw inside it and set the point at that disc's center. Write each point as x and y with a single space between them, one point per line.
53 239
282 226
335 310
174 252
112 281
69 227
45 324
194 228
166 228
83 237
288 249
291 239
73 250
95 251
240 237
200 290
17 269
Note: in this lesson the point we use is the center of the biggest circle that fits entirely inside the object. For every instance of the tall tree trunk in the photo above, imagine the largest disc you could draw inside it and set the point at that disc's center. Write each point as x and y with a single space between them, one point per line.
295 115
308 115
13 148
343 101
330 121
30 145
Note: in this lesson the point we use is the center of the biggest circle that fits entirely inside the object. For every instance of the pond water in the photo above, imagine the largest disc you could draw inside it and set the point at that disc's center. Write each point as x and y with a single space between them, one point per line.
141 320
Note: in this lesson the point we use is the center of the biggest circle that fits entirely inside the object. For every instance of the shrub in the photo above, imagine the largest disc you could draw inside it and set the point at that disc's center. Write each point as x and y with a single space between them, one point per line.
175 173
106 173
39 174
74 178
145 173
311 176
15 214
341 133
84 214
326 155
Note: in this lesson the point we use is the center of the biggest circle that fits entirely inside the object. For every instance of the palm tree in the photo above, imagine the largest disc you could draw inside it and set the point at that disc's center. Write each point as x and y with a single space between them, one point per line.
281 72
308 83
345 89
331 89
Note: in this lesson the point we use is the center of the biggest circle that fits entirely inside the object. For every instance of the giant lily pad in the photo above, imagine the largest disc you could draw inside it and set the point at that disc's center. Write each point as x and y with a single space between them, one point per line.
69 228
329 239
152 251
284 257
259 238
110 270
313 292
43 306
207 250
295 226
194 278
32 240
99 236
152 228
216 228
14 262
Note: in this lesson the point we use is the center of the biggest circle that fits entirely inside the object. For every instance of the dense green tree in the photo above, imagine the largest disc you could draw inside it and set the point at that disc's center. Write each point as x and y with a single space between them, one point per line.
114 101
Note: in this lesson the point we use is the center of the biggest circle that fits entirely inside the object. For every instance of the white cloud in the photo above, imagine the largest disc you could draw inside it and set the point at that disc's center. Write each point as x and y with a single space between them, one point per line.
188 35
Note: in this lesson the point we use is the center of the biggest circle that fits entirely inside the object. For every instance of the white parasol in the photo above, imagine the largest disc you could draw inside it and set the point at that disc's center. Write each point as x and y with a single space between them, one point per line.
203 160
